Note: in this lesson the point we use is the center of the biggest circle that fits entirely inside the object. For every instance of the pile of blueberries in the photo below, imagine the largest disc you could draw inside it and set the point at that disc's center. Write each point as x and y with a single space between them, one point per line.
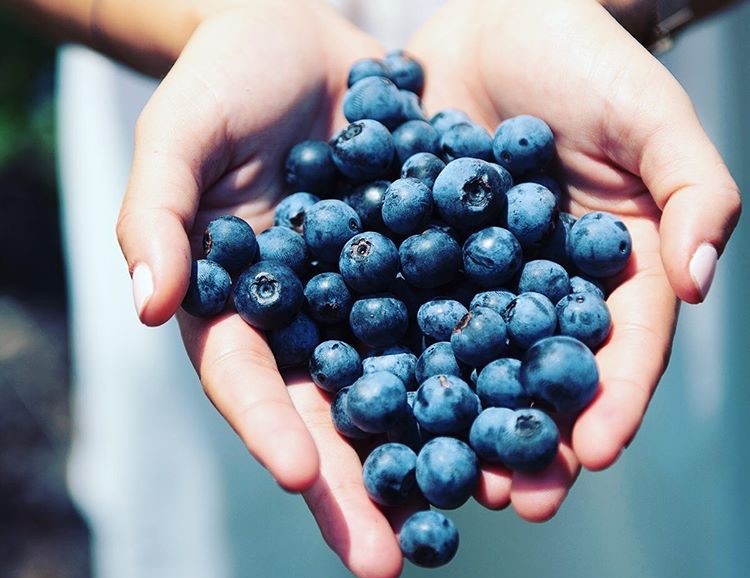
437 292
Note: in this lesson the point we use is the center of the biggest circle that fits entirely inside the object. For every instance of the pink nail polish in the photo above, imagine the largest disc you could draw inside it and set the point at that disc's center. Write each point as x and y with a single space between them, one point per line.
702 267
143 287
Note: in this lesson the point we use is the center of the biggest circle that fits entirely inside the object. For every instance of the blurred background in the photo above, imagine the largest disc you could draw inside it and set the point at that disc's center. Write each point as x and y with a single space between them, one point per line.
674 505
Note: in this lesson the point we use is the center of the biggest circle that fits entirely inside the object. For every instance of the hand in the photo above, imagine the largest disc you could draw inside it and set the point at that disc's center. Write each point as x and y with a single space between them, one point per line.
628 142
250 84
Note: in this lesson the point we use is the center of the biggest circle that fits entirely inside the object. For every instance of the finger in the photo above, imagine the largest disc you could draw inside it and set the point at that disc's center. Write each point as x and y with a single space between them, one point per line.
179 131
644 313
493 491
240 377
351 524
700 200
537 497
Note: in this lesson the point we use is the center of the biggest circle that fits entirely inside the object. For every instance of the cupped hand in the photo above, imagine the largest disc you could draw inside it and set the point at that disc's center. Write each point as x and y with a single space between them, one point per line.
252 82
628 142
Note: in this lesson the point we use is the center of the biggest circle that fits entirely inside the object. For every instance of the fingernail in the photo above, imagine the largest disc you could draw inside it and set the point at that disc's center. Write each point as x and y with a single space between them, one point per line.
702 267
143 287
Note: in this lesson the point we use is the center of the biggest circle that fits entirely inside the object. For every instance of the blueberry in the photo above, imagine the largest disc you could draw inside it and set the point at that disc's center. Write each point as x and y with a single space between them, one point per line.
405 71
428 539
480 337
367 67
486 431
447 472
294 344
329 225
369 262
389 474
529 318
401 364
415 136
492 256
230 242
411 106
340 417
554 247
423 166
334 364
328 298
438 318
545 277
364 150
469 193
437 359
599 244
562 372
208 289
523 144
548 182
532 212
466 139
310 167
499 385
367 201
407 206
448 117
290 212
495 299
285 246
580 284
376 402
445 405
430 259
379 320
586 317
375 98
268 295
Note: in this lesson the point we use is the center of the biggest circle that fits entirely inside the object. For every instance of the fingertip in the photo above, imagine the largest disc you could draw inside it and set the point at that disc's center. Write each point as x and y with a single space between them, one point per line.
294 463
493 491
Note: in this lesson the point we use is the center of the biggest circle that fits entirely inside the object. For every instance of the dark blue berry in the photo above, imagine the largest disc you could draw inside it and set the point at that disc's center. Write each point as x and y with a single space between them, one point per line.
208 289
268 295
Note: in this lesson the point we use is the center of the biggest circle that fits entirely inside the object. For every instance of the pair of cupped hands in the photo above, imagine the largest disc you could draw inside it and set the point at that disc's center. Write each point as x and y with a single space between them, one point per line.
256 78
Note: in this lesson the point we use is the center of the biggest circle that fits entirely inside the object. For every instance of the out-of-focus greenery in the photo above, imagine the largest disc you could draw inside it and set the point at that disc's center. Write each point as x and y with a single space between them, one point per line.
26 96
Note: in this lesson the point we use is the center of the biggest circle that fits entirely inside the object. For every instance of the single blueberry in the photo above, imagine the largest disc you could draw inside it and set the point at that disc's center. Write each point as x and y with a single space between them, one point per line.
438 318
495 299
469 193
599 244
369 262
437 359
480 337
230 242
328 298
548 182
334 364
367 201
208 289
448 117
407 206
329 225
375 98
290 212
428 539
309 167
485 433
447 472
379 320
293 345
466 139
364 150
499 385
389 474
285 246
586 317
268 295
376 402
491 256
580 284
411 106
532 212
430 259
523 144
367 67
445 405
545 277
400 364
415 136
340 417
561 371
528 441
405 71
423 166
529 318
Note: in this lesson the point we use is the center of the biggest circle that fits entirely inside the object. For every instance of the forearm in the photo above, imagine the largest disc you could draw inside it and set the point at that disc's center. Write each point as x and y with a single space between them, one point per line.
146 34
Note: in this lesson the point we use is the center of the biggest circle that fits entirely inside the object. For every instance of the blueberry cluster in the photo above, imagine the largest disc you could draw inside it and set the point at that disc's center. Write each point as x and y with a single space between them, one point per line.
436 292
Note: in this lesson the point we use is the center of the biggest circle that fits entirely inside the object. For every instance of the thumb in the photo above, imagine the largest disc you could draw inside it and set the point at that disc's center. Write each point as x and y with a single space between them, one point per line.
178 132
700 201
